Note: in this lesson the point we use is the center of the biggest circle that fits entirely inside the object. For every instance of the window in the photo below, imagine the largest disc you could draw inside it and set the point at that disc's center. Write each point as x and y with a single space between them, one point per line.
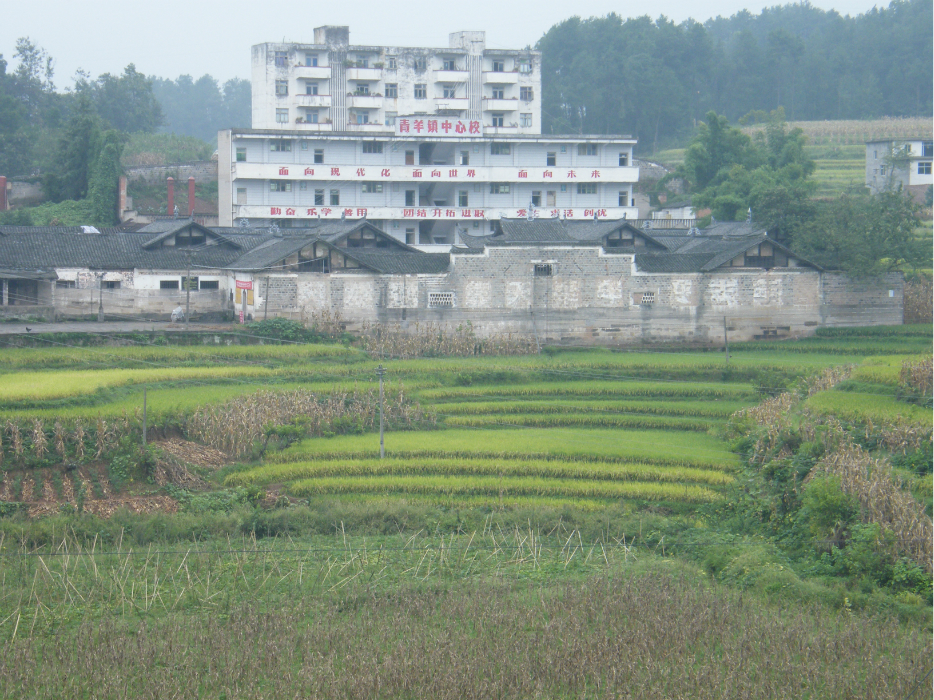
499 66
363 62
319 198
410 198
564 188
645 298
280 186
500 149
241 154
564 149
372 187
391 63
281 58
282 88
450 91
65 284
497 119
363 117
440 300
303 186
544 269
392 90
281 145
536 198
420 91
623 159
190 283
586 149
449 64
498 93
927 149
420 64
282 116
410 236
462 200
624 198
305 143
410 157
311 116
111 284
391 118
168 284
311 88
372 147
526 93
362 89
241 195
525 66
525 120
465 157
209 284
550 158
319 155
311 60
586 188
335 198
882 170
499 188
924 168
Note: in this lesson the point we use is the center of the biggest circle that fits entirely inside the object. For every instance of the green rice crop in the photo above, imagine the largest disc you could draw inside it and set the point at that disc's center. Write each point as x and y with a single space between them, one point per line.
710 390
133 356
279 473
868 407
587 444
883 370
594 420
712 409
494 486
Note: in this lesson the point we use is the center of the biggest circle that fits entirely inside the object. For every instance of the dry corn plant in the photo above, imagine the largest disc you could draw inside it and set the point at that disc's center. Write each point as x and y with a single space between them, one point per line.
883 498
438 340
40 443
233 427
917 300
918 376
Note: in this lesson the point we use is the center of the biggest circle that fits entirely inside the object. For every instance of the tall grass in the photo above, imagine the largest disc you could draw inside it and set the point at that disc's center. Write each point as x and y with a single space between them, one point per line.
586 389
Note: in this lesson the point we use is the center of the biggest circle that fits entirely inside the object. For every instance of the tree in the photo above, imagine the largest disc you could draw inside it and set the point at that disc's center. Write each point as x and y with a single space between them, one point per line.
78 150
864 236
127 102
102 189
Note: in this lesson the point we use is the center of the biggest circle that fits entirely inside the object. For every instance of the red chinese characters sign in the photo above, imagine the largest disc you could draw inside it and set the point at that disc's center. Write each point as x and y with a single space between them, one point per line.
244 284
440 126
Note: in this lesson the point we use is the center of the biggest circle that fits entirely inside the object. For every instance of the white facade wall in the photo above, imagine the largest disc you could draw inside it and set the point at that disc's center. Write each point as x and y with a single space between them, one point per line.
917 172
331 85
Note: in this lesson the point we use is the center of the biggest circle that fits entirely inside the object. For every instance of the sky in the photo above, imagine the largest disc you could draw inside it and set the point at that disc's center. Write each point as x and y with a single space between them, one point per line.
168 38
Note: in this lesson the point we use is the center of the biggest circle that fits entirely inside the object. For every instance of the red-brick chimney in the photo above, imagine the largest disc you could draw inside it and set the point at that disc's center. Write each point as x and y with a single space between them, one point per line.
191 196
171 207
2 193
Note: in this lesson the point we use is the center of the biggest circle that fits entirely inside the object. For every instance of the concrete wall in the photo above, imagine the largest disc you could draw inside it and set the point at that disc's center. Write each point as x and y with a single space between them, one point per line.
202 171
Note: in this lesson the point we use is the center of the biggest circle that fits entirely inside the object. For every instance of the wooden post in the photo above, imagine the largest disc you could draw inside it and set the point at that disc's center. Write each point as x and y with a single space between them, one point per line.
266 300
188 292
726 342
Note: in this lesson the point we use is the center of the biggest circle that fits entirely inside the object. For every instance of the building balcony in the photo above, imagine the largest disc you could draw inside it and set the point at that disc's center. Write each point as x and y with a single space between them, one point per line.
497 78
452 76
312 72
364 101
369 74
491 105
313 100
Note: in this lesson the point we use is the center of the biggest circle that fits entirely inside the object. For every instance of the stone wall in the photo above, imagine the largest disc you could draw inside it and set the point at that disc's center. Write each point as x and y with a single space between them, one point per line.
202 171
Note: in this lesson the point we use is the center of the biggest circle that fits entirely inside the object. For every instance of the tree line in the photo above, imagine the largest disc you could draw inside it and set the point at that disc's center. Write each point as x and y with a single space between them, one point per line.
656 79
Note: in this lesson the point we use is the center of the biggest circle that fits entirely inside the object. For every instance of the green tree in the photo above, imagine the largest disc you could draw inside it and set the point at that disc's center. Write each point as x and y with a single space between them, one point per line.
864 236
127 102
102 189
78 150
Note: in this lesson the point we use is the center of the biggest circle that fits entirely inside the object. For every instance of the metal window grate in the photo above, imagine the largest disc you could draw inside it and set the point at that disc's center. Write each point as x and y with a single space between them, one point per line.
544 269
440 300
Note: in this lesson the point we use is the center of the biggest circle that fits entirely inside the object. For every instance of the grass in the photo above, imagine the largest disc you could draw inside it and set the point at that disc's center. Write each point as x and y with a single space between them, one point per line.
594 444
711 409
590 420
710 390
878 409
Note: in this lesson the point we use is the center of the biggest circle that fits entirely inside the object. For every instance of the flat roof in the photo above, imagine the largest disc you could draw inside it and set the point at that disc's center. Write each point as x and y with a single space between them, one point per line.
393 136
360 48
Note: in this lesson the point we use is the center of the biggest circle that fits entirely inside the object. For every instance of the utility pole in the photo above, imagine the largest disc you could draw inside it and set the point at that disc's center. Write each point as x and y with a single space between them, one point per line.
726 342
144 416
188 291
100 303
266 300
382 450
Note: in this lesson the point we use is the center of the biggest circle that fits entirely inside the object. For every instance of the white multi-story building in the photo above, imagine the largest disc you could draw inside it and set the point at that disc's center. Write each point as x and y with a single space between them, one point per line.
451 151
905 162
331 85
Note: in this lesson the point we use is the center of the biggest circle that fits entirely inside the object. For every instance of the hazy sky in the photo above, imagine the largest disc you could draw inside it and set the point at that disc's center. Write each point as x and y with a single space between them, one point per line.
169 38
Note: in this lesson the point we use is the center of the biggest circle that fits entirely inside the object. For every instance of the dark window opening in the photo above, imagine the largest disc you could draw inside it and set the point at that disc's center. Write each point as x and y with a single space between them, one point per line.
168 284
544 269
209 284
